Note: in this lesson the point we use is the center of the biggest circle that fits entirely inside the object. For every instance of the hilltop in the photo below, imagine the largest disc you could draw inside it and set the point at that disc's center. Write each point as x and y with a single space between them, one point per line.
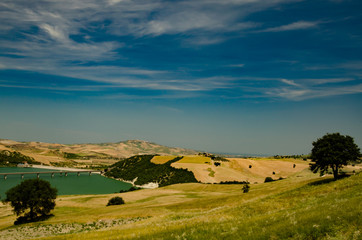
88 153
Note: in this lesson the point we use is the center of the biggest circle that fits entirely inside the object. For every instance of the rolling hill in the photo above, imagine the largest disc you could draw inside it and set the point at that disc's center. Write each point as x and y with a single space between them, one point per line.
89 153
166 170
304 206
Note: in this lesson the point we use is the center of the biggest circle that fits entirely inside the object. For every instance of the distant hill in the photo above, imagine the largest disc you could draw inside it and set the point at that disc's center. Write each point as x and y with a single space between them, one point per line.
88 153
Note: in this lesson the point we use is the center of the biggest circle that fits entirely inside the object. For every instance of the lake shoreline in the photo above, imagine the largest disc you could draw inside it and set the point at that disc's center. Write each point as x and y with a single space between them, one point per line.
70 184
62 168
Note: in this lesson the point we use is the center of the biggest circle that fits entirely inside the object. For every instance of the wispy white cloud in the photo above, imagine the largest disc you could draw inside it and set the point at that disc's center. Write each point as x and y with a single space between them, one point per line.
313 88
290 82
43 32
288 93
83 88
304 94
300 25
350 65
320 81
241 65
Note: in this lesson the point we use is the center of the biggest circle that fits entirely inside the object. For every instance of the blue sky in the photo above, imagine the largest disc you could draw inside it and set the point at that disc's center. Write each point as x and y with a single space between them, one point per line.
239 76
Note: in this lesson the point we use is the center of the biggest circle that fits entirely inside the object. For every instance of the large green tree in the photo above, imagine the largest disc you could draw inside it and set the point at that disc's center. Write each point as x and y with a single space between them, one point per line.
333 151
33 198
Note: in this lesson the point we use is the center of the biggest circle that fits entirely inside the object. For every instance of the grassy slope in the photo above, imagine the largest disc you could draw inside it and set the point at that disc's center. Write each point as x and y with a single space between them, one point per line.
297 208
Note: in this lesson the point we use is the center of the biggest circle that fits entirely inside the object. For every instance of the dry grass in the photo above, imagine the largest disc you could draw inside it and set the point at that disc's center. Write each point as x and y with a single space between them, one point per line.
292 206
195 159
237 169
162 159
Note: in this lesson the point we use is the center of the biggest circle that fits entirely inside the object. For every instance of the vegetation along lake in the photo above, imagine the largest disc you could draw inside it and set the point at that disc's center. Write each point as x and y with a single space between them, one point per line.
66 185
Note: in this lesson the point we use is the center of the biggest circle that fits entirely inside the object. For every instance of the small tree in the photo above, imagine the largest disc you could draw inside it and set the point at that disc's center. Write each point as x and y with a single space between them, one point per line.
33 197
333 151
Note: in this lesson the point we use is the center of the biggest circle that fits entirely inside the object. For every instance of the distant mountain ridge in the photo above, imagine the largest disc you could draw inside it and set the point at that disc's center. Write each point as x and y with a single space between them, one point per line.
55 152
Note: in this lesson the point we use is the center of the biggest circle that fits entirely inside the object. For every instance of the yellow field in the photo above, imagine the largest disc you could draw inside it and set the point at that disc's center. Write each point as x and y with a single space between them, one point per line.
162 159
195 159
238 169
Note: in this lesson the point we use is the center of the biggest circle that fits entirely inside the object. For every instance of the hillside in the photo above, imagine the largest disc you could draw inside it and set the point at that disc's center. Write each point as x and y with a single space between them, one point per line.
9 158
142 171
88 154
162 169
300 207
253 170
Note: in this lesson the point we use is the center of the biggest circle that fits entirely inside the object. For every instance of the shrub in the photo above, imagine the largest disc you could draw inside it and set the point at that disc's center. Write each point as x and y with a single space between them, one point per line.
133 188
246 188
115 201
268 179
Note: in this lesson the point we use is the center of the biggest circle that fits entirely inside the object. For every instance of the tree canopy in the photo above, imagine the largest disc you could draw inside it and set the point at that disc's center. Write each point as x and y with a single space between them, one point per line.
145 171
33 198
333 151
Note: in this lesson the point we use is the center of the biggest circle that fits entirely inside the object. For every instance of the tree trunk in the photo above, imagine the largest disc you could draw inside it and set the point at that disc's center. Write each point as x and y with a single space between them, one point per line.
32 214
335 172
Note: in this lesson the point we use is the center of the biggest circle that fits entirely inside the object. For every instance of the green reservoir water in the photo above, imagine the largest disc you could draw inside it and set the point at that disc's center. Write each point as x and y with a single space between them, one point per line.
66 185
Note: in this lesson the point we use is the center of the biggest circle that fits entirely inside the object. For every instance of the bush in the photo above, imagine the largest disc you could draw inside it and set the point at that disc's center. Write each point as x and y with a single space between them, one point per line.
246 188
133 188
268 179
115 201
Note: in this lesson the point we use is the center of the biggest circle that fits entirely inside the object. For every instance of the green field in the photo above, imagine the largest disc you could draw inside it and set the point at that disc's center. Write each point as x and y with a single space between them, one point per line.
304 206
